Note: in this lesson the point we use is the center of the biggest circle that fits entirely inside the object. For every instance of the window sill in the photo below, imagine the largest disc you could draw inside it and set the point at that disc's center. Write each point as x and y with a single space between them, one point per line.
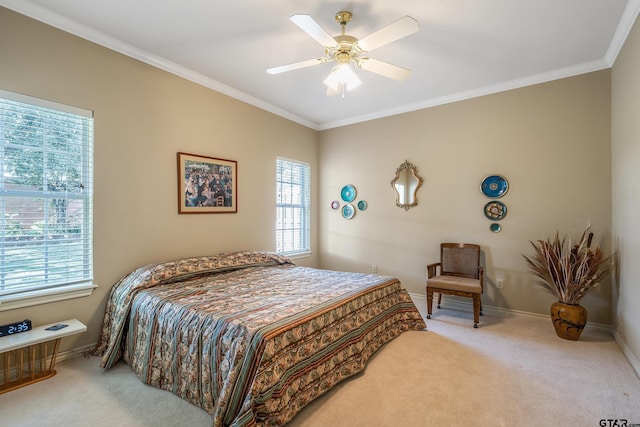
26 299
297 255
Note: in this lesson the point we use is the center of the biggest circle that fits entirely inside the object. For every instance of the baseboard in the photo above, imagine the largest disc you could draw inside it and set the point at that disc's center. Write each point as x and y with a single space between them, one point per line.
500 311
74 352
632 358
422 299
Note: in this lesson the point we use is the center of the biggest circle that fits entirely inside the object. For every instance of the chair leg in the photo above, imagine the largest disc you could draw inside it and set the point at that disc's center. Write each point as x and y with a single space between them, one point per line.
439 298
429 301
476 309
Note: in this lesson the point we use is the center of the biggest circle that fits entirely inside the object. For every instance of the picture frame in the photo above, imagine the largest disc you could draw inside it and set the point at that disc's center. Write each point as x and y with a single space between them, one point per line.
207 184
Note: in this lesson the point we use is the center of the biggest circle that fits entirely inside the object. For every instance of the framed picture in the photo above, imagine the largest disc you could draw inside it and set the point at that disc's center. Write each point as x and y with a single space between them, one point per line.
206 184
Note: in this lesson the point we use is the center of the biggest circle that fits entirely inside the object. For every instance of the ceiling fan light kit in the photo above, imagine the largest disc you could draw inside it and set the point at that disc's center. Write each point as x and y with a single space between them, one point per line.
345 49
341 79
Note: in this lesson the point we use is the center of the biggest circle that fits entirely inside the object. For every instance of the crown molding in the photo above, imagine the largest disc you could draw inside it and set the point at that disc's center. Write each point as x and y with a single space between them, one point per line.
622 32
627 21
60 22
475 93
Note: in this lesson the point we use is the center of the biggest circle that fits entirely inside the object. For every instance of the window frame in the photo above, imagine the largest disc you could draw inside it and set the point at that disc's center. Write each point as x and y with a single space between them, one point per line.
46 293
304 250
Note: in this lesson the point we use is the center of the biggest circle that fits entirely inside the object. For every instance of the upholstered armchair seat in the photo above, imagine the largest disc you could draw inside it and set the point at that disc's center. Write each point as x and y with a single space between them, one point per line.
455 283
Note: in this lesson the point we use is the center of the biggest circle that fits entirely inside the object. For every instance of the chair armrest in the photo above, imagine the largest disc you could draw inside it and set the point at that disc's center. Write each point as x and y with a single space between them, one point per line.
431 269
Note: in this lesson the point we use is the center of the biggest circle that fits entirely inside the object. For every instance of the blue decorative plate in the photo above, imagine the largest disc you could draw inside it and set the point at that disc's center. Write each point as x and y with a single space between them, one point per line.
494 186
348 211
495 227
362 205
495 210
348 193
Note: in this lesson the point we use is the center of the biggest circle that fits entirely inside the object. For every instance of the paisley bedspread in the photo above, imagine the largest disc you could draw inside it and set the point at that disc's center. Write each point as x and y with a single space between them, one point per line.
250 337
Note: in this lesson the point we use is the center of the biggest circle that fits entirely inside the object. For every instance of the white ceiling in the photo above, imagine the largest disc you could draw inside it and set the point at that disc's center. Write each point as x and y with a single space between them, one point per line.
464 48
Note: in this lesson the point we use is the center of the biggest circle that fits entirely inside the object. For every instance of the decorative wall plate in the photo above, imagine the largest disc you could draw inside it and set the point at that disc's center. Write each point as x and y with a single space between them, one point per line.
495 210
348 193
495 227
494 186
362 205
348 211
335 204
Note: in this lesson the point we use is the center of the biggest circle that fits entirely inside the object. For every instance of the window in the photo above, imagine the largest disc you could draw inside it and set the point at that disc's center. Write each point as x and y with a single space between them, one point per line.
46 186
293 219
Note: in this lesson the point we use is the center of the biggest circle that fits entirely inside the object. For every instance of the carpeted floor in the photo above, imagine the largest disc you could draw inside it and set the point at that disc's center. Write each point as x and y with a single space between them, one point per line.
512 371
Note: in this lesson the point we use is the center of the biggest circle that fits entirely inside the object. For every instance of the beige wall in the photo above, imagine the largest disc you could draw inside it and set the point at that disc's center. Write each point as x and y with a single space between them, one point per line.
625 139
143 117
552 143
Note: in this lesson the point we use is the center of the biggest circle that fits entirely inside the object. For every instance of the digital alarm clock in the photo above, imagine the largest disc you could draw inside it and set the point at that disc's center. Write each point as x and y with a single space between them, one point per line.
15 328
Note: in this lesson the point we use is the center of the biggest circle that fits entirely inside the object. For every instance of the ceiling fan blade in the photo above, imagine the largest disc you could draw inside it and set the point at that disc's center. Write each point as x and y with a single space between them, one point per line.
392 32
384 69
296 65
311 27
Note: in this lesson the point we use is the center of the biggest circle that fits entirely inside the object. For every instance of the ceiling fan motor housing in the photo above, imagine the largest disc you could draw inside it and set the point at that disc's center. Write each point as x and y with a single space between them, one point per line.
346 49
344 52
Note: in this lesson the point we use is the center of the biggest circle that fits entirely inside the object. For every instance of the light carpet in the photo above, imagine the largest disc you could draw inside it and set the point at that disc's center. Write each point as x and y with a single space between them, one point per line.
511 371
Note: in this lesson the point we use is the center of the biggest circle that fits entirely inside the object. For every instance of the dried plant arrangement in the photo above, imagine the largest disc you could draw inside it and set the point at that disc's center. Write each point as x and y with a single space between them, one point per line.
568 271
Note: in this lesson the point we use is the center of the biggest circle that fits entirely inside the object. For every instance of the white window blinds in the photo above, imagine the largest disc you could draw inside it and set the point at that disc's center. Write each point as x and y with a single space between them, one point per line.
293 218
46 186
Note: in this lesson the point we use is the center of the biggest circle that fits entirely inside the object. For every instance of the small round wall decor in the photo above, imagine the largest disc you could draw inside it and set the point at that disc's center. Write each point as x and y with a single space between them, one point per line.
495 210
348 193
348 211
494 186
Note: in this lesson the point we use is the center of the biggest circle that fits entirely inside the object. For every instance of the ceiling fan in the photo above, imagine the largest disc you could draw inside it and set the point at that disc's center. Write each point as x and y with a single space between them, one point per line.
345 49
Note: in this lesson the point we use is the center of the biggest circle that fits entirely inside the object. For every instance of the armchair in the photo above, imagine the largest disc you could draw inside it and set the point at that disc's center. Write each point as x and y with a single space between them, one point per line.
460 273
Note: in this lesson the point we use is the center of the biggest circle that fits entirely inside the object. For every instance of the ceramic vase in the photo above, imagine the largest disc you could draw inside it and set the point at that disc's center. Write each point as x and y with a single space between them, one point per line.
568 320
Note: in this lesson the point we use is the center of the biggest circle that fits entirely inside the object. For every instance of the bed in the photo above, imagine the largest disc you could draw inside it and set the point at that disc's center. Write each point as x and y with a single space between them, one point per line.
250 337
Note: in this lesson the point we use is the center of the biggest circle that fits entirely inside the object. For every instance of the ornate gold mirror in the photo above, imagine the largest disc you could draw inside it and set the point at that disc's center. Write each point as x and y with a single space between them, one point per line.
406 184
